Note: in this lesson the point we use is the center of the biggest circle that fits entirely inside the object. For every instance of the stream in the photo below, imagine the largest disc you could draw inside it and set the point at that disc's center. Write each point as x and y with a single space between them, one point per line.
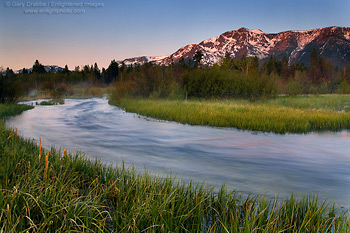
245 161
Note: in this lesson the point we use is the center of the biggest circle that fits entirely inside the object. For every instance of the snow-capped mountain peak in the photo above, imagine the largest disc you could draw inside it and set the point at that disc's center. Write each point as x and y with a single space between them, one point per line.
296 46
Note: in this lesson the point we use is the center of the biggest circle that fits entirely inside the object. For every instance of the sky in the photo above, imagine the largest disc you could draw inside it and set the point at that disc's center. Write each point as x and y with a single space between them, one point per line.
80 32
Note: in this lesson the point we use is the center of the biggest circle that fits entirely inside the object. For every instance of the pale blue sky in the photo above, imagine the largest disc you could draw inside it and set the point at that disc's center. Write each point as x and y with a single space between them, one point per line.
121 29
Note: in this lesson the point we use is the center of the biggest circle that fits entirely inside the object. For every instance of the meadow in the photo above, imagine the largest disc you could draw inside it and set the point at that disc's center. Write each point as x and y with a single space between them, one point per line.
55 191
283 114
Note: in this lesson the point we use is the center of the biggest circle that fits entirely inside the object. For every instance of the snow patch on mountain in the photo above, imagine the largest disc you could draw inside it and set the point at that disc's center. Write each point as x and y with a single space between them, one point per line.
347 35
257 31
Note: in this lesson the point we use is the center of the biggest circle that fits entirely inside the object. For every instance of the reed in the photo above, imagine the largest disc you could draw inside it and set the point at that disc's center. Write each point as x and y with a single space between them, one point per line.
46 165
39 149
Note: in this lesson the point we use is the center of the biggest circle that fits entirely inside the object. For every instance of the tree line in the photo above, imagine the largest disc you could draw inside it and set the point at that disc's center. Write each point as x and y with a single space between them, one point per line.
244 77
55 82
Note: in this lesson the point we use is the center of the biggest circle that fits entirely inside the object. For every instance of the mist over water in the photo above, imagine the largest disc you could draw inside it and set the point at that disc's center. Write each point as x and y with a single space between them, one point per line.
256 163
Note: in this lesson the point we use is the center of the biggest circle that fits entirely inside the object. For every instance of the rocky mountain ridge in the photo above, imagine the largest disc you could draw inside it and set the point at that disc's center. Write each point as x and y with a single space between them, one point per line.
331 42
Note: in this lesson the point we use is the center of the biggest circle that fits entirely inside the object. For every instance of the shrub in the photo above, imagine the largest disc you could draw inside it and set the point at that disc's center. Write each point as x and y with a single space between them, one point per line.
294 88
344 87
10 89
217 83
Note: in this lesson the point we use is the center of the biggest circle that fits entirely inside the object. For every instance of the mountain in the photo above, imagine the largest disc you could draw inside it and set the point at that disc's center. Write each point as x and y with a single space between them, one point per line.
331 42
53 69
48 69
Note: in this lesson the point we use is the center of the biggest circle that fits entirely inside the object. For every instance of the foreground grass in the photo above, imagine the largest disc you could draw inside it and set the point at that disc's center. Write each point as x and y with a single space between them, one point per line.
281 115
63 192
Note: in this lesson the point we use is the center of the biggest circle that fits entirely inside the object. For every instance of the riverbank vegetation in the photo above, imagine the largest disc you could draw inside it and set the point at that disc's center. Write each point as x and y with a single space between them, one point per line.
243 93
300 114
11 109
55 191
51 102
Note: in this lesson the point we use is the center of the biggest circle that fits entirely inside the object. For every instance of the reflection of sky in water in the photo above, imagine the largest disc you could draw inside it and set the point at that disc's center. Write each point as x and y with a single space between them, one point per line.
253 163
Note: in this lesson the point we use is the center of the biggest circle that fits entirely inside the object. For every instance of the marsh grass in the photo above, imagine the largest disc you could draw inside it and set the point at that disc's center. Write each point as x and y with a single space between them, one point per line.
300 114
11 109
51 102
337 103
69 193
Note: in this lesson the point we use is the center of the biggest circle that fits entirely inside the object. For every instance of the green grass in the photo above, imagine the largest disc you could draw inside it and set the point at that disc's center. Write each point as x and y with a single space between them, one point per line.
75 194
52 102
299 114
336 103
11 109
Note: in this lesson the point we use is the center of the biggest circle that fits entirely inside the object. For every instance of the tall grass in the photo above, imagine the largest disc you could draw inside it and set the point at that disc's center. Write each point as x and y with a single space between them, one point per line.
338 103
11 109
280 115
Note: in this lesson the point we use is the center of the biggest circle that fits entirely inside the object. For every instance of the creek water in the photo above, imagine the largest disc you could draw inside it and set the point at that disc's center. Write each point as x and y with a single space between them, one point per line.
248 162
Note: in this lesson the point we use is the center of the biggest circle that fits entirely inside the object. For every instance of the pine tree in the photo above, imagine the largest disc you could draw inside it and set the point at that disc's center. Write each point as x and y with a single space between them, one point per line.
9 72
314 58
112 72
65 70
285 68
38 68
96 71
315 69
197 58
227 62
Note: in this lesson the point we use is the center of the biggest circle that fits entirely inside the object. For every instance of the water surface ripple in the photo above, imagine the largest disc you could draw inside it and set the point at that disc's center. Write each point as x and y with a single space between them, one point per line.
263 163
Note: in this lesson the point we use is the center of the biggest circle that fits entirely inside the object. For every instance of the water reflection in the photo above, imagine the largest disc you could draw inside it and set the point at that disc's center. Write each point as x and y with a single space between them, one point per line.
244 161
